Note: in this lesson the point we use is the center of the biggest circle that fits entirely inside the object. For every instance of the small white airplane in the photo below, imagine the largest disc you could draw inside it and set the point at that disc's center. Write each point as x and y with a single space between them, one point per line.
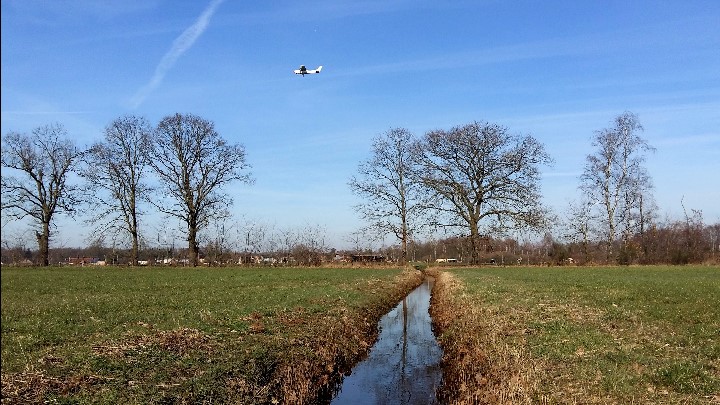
303 71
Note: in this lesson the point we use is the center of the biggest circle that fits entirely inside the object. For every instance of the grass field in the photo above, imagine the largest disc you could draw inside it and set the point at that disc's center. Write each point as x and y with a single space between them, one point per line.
510 335
180 335
580 335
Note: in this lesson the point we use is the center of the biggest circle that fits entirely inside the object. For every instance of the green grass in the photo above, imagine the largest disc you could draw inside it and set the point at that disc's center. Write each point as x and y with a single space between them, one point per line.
167 334
617 334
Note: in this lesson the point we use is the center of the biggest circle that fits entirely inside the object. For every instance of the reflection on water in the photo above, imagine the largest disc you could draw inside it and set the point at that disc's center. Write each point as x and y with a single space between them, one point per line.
403 367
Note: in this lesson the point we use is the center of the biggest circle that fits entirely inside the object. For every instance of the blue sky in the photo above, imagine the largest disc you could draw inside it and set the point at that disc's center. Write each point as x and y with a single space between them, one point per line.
558 70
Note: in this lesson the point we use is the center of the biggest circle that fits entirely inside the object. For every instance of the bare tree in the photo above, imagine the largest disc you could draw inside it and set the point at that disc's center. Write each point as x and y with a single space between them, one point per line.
217 243
118 167
388 184
579 224
194 163
357 239
485 179
615 178
712 236
311 246
44 160
255 236
286 239
14 247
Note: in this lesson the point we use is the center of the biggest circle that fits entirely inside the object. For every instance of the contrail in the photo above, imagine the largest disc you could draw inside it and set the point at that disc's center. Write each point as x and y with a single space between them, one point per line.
179 46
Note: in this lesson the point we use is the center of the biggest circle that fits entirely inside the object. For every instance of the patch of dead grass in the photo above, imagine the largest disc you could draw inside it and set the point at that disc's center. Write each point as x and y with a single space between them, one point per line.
178 341
483 361
33 387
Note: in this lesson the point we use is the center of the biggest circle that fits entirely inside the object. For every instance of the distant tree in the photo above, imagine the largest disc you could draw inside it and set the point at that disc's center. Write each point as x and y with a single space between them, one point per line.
285 240
690 244
615 179
579 224
14 248
117 167
712 236
485 179
255 236
194 163
43 159
311 246
217 243
357 238
387 182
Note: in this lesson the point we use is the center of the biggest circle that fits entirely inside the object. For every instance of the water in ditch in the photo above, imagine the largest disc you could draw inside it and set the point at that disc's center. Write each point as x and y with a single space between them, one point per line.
403 367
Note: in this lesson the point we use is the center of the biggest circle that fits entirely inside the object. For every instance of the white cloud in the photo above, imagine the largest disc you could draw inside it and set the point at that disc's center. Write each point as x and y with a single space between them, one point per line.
179 47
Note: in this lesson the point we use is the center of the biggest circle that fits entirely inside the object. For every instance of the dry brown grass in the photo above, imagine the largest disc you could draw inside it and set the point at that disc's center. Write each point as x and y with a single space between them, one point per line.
484 359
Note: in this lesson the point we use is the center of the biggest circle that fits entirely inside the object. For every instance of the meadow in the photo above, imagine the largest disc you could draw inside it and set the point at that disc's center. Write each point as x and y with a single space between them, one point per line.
183 335
286 335
568 335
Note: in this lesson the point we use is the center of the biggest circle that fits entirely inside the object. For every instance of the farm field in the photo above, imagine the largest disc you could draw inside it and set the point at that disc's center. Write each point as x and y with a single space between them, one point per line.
646 335
182 335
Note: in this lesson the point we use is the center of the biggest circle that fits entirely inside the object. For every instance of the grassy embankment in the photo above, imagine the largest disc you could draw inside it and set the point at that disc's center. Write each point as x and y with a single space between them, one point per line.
159 335
580 335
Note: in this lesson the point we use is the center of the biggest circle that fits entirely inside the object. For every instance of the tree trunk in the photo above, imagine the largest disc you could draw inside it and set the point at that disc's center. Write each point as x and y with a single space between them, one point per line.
193 250
404 241
134 230
135 248
475 244
44 245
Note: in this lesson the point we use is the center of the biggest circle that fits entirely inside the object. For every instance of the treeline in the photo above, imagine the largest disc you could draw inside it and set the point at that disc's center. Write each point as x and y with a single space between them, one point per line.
179 167
675 242
477 180
482 181
225 242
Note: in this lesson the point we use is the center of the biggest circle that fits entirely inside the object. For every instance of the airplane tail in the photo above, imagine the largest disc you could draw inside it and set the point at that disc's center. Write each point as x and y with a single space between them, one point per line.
319 68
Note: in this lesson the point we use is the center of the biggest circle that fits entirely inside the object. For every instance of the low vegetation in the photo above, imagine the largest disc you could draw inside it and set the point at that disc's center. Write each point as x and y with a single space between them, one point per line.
579 335
181 335
286 335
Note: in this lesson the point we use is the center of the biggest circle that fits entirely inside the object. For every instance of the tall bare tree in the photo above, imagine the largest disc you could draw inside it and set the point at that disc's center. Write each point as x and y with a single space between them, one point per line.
615 179
194 163
387 182
486 179
43 161
117 167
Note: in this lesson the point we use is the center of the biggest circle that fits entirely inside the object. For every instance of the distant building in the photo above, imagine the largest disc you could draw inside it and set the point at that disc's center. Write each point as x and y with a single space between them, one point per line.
82 261
367 258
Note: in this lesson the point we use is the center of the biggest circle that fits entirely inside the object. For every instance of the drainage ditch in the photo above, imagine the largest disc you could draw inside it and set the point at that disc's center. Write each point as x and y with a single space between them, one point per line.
403 367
